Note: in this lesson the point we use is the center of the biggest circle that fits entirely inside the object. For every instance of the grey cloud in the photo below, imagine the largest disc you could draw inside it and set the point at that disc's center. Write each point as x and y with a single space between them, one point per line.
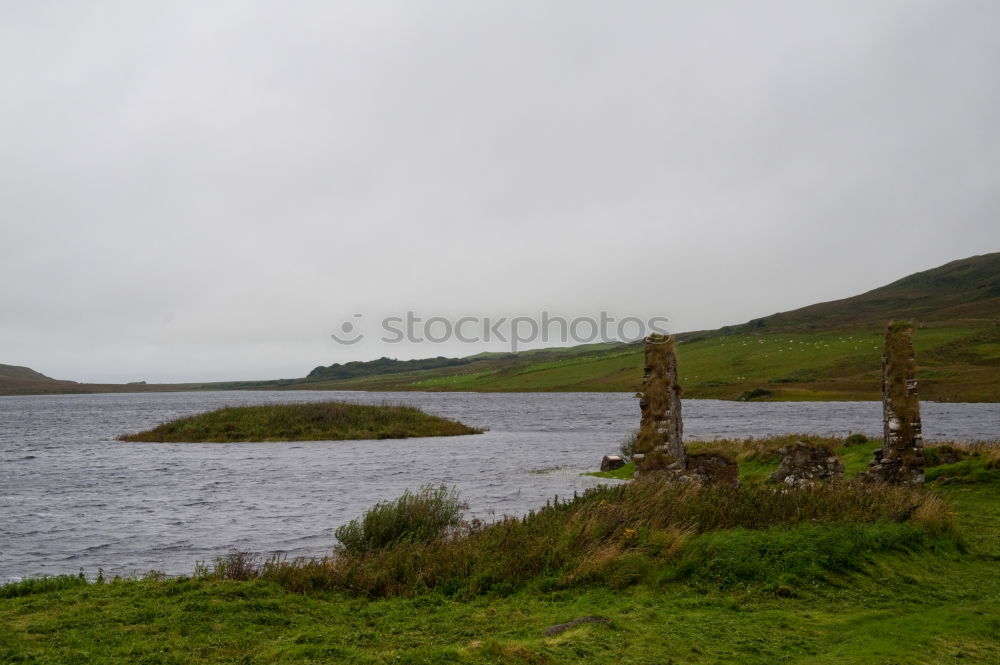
204 190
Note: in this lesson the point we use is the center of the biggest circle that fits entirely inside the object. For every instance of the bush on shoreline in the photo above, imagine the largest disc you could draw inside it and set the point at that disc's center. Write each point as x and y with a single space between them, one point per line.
418 517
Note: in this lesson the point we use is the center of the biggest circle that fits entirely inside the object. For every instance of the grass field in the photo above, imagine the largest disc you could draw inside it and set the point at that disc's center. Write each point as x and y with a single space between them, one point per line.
869 592
324 421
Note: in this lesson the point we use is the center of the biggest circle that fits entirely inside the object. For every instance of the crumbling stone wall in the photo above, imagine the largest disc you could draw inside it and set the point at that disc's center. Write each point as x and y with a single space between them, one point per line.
805 464
659 444
712 469
901 458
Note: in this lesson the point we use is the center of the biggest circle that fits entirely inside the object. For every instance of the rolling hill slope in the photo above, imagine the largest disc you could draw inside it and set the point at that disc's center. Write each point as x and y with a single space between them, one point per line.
16 373
825 351
966 290
15 379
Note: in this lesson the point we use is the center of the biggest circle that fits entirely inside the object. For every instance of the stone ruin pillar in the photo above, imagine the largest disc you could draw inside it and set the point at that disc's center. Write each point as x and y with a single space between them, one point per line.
901 458
659 444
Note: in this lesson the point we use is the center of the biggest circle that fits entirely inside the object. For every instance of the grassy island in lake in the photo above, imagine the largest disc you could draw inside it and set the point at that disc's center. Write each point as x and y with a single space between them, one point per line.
323 421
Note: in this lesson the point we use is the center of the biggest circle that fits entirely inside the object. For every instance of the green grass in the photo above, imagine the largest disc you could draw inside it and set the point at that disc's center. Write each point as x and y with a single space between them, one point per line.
324 421
626 472
983 467
727 588
33 586
783 558
911 614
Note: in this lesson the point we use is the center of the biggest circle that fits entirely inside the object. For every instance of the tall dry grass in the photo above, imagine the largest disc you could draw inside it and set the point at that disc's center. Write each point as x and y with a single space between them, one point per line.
612 534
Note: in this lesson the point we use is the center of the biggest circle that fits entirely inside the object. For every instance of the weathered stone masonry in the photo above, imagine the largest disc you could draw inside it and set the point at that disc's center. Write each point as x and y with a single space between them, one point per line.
901 459
660 440
660 443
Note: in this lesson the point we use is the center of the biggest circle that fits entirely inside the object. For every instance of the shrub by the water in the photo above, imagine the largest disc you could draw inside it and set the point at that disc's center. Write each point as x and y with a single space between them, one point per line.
855 439
627 447
751 395
419 517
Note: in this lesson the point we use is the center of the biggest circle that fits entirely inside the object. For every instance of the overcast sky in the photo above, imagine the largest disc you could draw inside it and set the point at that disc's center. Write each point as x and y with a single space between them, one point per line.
207 190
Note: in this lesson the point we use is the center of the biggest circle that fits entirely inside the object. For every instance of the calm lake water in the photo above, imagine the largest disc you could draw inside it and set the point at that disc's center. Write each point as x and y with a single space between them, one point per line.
73 497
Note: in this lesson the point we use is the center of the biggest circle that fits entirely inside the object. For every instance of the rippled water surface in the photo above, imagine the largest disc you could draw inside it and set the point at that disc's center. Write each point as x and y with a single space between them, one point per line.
72 496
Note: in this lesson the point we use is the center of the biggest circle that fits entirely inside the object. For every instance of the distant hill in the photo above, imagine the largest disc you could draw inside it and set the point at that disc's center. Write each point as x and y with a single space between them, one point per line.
15 372
964 290
826 351
829 350
382 366
386 366
15 379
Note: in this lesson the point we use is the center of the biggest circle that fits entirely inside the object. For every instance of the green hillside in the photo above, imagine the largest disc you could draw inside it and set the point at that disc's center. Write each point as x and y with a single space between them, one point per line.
21 373
957 363
826 351
963 290
15 379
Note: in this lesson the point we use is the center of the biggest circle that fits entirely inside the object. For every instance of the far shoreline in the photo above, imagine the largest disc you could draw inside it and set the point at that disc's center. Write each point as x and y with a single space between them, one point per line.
114 389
